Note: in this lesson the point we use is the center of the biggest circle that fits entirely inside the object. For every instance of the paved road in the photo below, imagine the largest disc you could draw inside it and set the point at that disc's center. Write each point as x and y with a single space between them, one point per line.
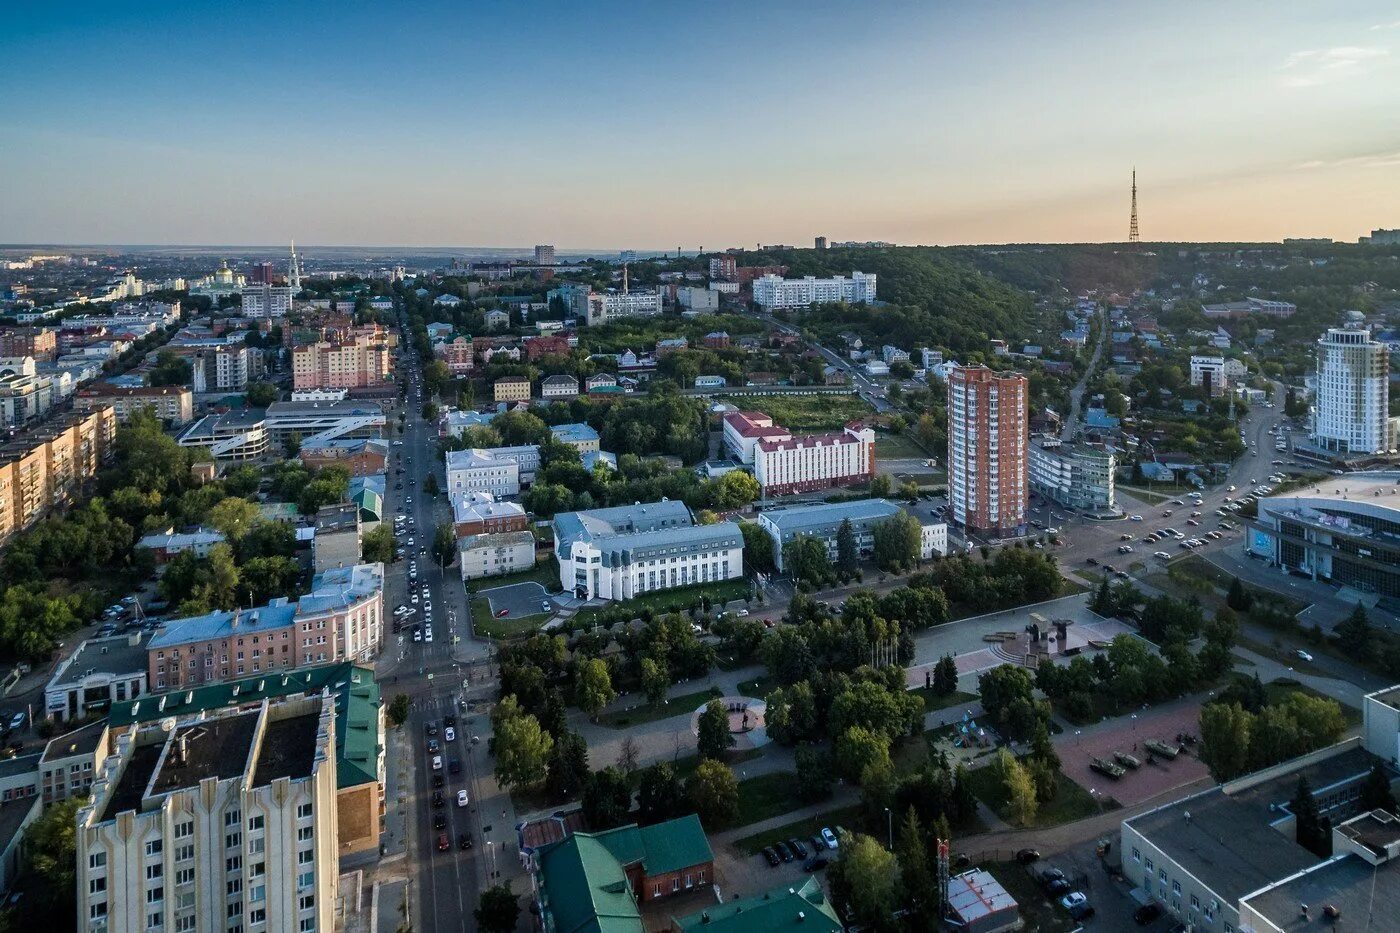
1076 395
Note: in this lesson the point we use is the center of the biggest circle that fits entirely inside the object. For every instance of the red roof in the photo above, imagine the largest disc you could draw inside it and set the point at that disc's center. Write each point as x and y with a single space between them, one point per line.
808 440
754 424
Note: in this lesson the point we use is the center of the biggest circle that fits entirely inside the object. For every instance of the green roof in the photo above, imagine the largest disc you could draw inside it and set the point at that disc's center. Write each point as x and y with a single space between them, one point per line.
661 847
370 503
585 889
357 702
769 912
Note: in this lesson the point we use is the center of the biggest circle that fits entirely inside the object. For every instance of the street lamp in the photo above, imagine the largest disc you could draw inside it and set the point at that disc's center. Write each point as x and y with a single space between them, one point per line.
889 821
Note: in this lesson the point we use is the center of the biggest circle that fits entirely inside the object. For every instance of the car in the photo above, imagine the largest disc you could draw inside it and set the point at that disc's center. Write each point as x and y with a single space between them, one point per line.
438 779
783 851
1073 900
417 635
1109 568
438 800
1048 875
770 855
16 722
829 838
439 821
1057 887
1134 518
1195 514
443 843
815 863
1125 537
430 728
1303 655
433 746
545 605
798 849
449 734
428 633
1147 913
437 762
461 798
1177 502
1027 856
1091 561
1081 911
1167 513
464 841
1193 522
1125 549
453 765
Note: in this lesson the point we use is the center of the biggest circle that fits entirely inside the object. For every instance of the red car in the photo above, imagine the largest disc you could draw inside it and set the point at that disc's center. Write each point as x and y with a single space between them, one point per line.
502 613
443 842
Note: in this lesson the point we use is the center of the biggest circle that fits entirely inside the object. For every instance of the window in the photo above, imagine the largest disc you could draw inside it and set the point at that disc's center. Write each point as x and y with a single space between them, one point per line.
184 829
1137 856
257 893
97 885
154 871
97 860
304 811
306 902
153 920
256 845
304 857
255 823
184 924
234 863
1195 902
306 879
1176 888
234 886
232 817
257 869
232 840
304 834
184 876
184 854
257 915
307 925
1147 866
234 909
97 911
155 895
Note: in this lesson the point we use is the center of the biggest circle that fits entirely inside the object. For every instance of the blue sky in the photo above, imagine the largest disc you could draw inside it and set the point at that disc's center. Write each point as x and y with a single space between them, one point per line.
599 124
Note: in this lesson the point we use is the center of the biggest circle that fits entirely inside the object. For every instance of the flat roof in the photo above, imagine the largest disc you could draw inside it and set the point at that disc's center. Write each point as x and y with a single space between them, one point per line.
1377 830
212 748
13 813
114 655
1363 895
130 788
975 895
288 748
808 517
81 741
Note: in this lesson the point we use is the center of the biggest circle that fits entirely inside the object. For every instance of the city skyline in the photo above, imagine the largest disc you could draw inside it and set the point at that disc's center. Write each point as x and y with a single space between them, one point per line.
903 122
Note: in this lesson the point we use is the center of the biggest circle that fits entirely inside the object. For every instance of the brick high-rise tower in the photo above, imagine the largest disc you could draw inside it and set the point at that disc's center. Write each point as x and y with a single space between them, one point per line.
987 440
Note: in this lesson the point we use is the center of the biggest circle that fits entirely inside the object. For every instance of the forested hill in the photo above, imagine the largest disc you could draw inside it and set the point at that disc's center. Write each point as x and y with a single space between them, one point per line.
937 299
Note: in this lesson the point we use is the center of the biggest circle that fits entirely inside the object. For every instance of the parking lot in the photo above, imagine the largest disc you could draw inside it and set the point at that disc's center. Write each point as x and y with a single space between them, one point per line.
517 600
1097 877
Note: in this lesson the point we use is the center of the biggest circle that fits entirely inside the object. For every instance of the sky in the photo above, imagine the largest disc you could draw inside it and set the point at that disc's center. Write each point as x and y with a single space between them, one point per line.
598 124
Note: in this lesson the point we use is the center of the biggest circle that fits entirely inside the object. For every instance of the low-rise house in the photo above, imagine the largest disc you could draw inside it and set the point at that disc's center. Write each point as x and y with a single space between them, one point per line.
558 387
480 513
169 543
101 672
511 389
490 555
579 436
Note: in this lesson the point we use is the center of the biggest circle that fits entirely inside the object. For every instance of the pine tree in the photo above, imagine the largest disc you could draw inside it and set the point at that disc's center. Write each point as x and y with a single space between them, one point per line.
1102 602
1313 833
1238 599
1376 793
945 676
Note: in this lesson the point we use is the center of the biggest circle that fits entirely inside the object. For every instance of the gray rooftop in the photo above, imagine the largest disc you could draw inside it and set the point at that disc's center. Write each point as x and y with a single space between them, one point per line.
114 655
813 519
81 741
223 623
1227 840
1368 898
288 748
342 408
340 517
12 816
685 539
623 519
213 748
21 764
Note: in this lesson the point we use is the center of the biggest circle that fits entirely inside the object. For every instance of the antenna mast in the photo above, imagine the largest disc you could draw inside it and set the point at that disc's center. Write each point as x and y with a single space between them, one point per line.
1132 219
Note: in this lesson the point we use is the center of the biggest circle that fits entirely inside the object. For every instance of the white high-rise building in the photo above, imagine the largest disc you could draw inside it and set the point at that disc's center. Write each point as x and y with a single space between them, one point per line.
217 822
263 299
774 291
1352 405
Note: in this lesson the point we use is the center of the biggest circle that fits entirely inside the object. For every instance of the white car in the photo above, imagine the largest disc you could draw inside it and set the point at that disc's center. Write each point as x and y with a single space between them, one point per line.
413 597
1073 900
428 634
1135 518
461 798
829 837
449 734
1303 655
1162 555
437 762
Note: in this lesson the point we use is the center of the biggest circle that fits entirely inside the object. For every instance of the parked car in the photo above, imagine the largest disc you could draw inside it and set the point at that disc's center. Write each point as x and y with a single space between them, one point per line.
1058 886
461 798
815 863
798 849
1027 856
783 851
1147 913
829 838
770 855
1048 875
443 843
1073 900
1081 911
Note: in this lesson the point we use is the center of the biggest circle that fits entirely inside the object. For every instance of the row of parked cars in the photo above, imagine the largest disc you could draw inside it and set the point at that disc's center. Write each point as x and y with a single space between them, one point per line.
821 845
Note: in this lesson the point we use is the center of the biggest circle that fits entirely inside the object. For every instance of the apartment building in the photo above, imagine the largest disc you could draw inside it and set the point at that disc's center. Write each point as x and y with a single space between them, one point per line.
500 471
511 389
1074 475
265 300
621 552
559 387
987 438
601 307
68 765
784 463
339 537
25 397
39 342
217 364
1351 404
479 513
547 345
1209 372
341 619
489 555
171 404
359 362
43 468
221 821
772 292
459 354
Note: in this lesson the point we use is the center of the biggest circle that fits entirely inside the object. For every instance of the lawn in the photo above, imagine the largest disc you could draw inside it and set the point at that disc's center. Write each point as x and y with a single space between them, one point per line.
800 829
1039 913
759 687
546 574
677 600
682 705
1071 801
766 796
686 766
1194 576
1279 690
484 624
804 413
898 447
1151 498
935 701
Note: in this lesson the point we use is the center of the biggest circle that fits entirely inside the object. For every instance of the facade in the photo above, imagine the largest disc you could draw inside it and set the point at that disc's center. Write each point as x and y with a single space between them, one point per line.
601 307
25 398
1238 309
695 298
580 437
743 430
547 345
215 822
316 422
39 342
815 461
265 300
619 552
169 543
544 255
480 514
360 362
341 619
824 521
493 554
69 763
101 672
562 387
172 404
1074 475
987 433
362 456
232 437
773 291
45 467
458 354
1209 372
500 471
1351 404
511 389
597 881
339 531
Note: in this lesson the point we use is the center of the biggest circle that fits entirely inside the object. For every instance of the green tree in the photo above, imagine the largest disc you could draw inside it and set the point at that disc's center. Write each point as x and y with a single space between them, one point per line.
758 547
791 716
430 485
444 544
715 738
593 687
865 882
264 579
170 370
1102 603
1238 598
859 748
655 681
879 486
1354 632
568 766
1019 788
734 490
1314 833
607 798
714 792
660 794
915 874
234 517
521 747
814 774
945 676
1375 791
846 551
1226 733
497 910
398 709
262 394
897 541
379 544
805 560
51 850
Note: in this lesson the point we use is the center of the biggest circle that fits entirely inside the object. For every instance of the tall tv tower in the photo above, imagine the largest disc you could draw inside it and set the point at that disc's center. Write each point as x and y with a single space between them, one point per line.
1132 219
294 270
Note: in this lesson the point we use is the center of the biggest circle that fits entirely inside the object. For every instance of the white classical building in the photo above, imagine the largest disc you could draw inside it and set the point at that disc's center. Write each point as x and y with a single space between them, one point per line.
773 291
823 521
621 552
500 471
215 822
1351 407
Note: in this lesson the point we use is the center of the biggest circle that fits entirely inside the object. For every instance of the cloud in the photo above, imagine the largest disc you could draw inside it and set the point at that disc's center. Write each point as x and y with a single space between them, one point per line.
1312 67
1383 26
1369 160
